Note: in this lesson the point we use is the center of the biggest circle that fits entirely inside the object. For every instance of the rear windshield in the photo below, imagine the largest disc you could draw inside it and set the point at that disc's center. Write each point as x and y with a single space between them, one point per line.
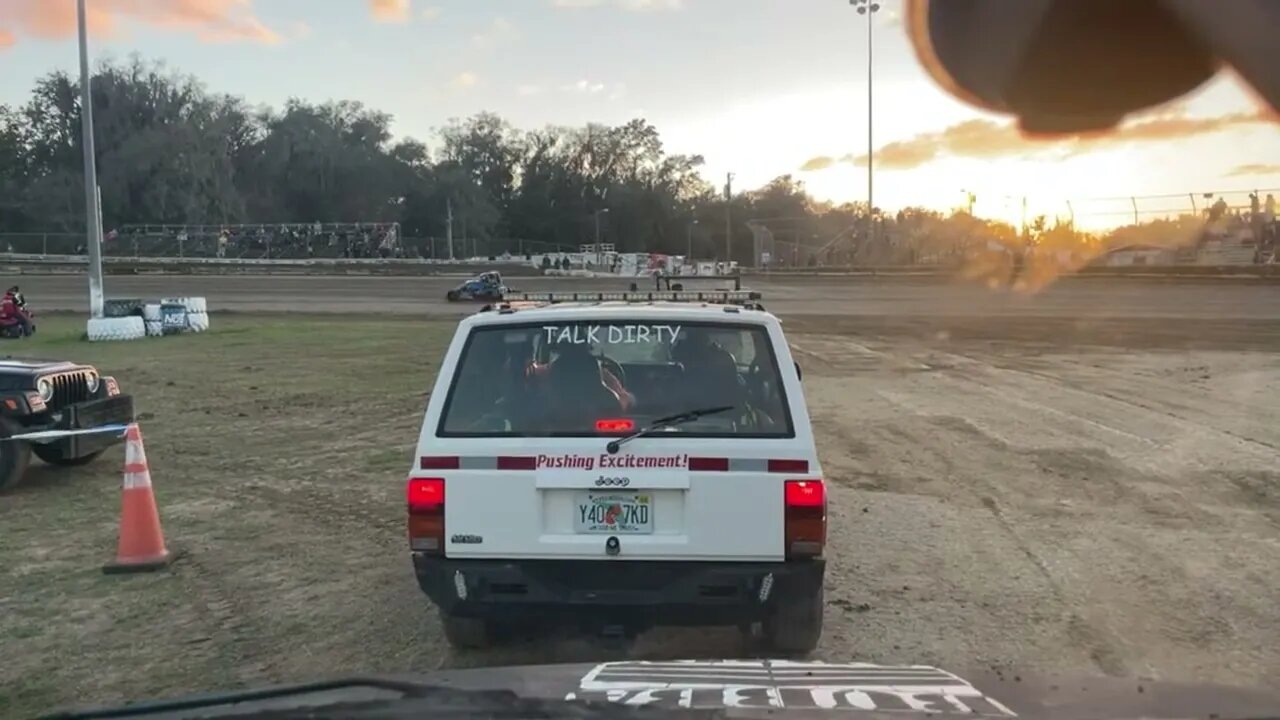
575 379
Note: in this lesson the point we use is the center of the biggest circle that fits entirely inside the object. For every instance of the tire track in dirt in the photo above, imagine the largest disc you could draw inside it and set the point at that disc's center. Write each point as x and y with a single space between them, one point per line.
964 473
1242 487
1135 403
1091 639
1161 605
232 641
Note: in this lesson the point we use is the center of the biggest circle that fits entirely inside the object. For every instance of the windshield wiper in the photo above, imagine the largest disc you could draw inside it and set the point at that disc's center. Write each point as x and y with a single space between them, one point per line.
665 422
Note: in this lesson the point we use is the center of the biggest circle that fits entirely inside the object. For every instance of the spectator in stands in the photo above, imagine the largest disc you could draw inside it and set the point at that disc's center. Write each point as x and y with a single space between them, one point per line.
1269 207
1218 209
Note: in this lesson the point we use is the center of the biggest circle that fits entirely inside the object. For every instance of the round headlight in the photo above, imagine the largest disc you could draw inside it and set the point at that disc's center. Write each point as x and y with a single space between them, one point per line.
91 379
45 386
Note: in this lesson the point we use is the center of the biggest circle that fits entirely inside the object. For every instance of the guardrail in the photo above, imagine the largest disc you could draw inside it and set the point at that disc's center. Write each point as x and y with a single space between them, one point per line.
21 263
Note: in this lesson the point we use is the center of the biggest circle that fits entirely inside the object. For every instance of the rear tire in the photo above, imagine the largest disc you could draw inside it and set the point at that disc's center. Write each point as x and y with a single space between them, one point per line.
51 455
466 633
795 627
14 456
451 296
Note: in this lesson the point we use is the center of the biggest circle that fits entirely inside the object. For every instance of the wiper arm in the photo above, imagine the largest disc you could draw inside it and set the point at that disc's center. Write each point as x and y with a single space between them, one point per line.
665 422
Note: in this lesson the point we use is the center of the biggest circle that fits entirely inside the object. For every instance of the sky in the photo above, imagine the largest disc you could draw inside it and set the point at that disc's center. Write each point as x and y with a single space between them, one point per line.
759 88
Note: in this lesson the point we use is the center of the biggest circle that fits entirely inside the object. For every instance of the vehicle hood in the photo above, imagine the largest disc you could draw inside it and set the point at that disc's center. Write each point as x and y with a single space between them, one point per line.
33 366
820 688
760 688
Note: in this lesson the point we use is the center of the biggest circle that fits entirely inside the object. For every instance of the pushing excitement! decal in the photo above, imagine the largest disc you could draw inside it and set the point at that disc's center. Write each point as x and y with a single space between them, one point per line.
775 684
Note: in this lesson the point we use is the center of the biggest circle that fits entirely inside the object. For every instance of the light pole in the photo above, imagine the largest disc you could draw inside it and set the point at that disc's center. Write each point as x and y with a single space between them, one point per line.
869 8
728 219
689 237
92 210
599 254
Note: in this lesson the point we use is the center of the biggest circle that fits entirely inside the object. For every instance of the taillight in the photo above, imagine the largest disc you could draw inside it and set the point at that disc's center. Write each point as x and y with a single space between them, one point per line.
805 503
615 425
425 498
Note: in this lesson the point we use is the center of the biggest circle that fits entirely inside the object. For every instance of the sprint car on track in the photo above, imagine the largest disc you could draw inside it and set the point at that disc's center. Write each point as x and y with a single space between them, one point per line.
486 286
41 396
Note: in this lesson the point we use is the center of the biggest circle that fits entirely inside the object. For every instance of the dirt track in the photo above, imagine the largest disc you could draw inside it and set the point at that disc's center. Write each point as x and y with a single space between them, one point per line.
1078 482
1072 297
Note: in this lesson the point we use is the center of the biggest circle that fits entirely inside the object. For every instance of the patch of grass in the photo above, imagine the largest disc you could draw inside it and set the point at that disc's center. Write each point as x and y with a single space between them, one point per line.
277 447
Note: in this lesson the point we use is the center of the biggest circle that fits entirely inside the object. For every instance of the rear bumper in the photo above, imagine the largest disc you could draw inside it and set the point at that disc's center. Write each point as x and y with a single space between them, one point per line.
635 593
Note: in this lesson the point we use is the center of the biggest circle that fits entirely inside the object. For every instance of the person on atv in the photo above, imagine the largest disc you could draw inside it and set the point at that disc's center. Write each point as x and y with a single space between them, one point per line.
13 310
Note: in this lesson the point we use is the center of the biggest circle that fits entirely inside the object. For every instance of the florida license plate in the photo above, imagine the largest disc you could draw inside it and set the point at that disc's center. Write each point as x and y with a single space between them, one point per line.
616 513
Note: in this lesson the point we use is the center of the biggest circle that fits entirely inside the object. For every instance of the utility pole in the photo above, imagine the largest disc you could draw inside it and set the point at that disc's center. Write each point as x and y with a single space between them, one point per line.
689 239
92 207
599 250
728 218
869 8
448 232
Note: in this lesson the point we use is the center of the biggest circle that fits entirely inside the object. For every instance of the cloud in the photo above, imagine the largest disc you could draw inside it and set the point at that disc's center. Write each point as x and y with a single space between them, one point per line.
299 30
584 87
1254 169
209 20
465 80
985 139
528 90
431 12
393 11
631 5
821 162
498 33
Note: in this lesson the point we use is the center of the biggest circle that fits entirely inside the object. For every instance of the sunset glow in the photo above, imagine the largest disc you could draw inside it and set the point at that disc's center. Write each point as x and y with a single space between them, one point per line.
758 88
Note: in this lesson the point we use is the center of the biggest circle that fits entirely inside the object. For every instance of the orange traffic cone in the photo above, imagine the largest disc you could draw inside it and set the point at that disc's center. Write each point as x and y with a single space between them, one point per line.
141 539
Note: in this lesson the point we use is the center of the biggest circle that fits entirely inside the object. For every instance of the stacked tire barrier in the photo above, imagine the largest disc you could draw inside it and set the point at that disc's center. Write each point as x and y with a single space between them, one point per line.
133 318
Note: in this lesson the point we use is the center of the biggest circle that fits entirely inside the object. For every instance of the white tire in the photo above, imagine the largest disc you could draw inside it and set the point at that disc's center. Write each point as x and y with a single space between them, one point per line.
198 322
151 312
192 304
123 328
154 328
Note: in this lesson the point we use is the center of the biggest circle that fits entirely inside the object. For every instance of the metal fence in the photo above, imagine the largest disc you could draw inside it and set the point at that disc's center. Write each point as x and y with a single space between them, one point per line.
177 244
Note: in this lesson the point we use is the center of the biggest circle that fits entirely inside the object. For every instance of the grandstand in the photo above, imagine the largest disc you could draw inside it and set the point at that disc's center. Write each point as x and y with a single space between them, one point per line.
261 241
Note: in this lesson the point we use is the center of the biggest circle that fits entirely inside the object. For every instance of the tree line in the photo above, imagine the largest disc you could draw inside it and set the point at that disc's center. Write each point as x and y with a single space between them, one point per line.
171 151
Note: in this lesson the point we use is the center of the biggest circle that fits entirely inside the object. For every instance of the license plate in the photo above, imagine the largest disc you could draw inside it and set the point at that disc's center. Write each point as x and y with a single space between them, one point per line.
618 513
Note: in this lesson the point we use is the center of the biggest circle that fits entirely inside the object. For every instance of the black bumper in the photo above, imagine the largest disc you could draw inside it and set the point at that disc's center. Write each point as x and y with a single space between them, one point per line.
117 410
635 593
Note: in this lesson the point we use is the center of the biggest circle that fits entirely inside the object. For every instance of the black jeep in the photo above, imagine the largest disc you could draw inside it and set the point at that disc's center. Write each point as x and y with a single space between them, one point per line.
40 395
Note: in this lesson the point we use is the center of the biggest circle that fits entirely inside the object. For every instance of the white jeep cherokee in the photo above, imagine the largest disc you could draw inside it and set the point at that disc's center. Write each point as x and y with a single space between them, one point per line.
620 465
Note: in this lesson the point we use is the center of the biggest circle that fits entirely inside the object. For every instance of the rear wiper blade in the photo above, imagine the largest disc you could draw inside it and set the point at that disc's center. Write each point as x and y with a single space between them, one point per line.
666 422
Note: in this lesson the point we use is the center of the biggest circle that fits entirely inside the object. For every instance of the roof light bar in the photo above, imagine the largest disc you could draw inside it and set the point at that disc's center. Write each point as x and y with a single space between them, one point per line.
709 296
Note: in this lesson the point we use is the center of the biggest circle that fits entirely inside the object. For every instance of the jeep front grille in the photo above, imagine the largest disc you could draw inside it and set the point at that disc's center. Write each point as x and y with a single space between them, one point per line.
69 389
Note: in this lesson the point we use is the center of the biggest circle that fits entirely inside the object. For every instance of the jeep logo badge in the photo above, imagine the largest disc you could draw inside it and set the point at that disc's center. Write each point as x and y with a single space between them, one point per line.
603 481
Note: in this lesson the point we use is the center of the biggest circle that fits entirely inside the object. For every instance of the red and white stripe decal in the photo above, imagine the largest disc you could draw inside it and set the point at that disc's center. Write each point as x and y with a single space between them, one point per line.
696 464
